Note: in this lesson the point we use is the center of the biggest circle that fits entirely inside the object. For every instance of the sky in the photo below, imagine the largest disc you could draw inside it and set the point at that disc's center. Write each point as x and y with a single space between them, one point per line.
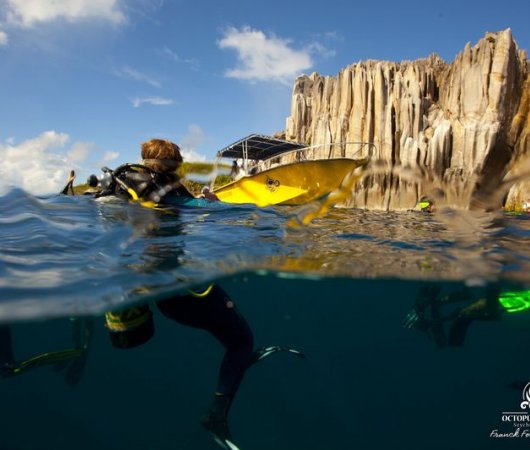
84 82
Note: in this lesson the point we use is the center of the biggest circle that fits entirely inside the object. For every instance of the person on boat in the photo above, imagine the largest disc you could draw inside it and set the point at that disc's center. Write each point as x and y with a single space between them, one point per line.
155 182
234 171
450 328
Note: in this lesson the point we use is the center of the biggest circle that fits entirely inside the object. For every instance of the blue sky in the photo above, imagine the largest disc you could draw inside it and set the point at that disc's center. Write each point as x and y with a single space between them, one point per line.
84 82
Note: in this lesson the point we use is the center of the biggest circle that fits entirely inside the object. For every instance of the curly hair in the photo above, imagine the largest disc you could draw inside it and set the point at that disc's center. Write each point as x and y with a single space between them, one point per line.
161 155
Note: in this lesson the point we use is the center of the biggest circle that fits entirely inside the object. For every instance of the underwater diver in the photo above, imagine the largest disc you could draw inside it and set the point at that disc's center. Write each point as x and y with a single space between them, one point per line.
71 361
155 183
427 313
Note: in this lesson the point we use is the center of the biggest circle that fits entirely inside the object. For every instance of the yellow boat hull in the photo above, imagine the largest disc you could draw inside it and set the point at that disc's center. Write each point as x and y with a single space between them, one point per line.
289 184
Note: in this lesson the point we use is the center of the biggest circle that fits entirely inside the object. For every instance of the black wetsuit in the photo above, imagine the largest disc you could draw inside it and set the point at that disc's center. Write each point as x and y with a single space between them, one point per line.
148 184
214 312
217 314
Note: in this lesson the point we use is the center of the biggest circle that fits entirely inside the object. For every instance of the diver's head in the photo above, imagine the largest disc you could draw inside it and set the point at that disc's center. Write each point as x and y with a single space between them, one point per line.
426 204
161 155
92 181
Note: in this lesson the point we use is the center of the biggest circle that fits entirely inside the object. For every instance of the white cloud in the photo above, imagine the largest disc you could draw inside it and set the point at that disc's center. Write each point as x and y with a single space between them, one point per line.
189 143
107 158
321 50
80 151
136 75
156 101
3 38
264 58
27 13
170 54
41 165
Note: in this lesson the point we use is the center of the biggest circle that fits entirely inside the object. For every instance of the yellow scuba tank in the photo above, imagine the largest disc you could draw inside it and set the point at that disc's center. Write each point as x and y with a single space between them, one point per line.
130 327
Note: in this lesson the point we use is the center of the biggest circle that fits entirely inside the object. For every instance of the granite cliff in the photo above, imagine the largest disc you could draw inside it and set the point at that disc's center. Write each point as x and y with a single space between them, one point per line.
450 130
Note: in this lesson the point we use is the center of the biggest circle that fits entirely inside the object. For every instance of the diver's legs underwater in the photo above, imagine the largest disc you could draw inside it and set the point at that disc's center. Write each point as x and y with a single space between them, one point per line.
214 311
6 348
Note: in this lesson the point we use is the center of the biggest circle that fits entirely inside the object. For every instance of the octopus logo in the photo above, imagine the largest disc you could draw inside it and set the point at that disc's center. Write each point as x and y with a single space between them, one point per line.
271 184
526 397
520 420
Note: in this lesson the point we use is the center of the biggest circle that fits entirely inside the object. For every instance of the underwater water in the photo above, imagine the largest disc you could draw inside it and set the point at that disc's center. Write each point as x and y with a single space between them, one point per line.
360 293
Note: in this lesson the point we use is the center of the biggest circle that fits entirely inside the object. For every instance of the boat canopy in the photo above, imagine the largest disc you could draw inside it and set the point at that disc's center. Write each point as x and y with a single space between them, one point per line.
258 147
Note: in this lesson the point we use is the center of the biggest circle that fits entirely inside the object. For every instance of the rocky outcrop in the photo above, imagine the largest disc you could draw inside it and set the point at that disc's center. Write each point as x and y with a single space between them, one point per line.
454 129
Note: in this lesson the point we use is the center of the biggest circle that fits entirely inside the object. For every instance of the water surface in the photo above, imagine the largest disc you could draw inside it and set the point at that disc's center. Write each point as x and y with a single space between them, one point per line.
339 289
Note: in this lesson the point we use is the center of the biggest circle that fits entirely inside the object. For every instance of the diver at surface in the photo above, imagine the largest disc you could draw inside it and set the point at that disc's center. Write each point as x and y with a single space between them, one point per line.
208 194
155 183
426 204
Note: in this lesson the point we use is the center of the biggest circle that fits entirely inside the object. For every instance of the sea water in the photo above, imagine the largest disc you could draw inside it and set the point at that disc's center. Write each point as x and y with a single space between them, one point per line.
340 289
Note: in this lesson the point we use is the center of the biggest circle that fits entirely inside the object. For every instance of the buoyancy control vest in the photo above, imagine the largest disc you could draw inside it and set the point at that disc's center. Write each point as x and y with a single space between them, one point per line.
141 183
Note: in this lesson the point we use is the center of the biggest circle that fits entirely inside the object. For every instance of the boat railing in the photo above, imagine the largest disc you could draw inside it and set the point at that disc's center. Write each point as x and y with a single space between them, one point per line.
336 150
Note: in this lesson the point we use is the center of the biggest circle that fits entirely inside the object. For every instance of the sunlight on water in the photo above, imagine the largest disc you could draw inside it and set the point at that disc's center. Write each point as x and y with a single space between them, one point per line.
65 255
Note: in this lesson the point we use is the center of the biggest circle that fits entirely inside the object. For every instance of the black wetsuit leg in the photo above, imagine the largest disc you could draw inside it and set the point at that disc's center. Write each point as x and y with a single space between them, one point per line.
6 345
217 314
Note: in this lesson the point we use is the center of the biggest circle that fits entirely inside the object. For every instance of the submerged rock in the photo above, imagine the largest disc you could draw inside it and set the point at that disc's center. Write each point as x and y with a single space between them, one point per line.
455 129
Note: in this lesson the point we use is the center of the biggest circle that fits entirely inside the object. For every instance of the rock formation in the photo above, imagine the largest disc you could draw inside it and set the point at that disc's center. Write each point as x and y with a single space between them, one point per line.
459 127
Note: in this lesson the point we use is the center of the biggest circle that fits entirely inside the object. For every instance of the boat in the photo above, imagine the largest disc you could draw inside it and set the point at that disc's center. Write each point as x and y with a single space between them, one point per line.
278 172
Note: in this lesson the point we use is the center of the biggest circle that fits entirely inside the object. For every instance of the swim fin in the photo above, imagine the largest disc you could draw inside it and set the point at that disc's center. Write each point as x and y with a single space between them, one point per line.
414 319
215 421
458 330
75 370
225 443
264 352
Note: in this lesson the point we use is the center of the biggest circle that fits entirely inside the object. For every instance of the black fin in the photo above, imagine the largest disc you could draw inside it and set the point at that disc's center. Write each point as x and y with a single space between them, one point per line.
215 421
458 331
